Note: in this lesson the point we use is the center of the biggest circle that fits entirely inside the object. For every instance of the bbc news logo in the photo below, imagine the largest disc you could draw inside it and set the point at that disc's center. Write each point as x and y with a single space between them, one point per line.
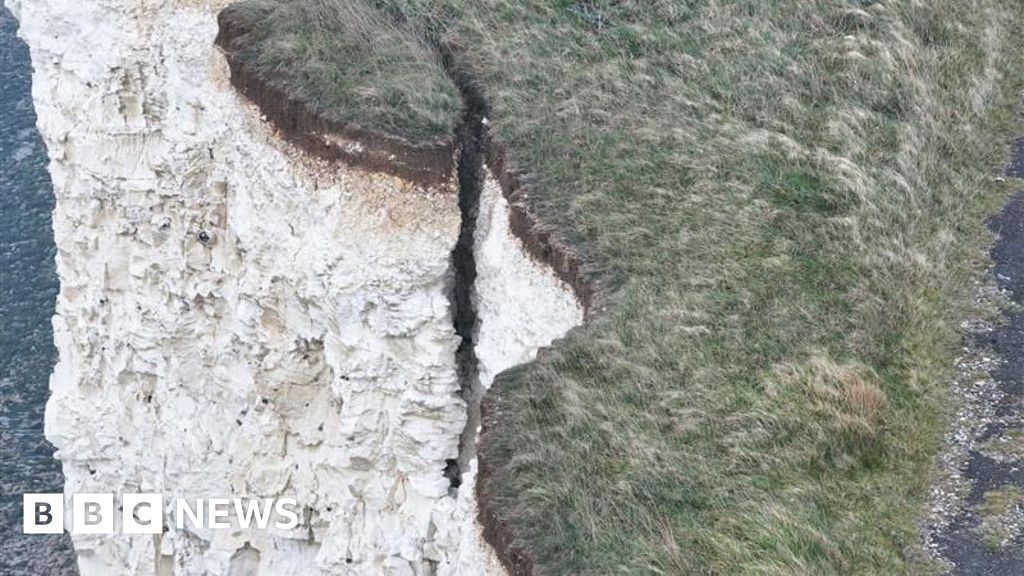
144 513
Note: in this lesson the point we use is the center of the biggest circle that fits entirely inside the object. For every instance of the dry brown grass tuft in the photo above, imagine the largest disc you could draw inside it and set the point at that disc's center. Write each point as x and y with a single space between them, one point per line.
847 396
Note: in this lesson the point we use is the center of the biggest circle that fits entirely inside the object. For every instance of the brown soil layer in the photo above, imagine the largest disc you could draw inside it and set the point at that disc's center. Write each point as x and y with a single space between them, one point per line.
514 557
429 162
545 244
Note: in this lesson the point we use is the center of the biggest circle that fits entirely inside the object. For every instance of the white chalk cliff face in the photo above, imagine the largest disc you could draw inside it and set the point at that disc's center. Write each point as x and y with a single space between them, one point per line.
239 320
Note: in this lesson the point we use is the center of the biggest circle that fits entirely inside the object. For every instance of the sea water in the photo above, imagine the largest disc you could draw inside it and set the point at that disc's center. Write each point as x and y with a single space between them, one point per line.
28 287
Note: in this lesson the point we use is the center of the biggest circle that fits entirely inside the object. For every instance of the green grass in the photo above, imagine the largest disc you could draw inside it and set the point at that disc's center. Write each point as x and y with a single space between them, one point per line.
785 204
353 62
996 511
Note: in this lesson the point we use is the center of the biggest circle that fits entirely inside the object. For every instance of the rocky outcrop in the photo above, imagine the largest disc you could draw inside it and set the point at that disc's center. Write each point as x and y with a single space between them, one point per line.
241 317
543 244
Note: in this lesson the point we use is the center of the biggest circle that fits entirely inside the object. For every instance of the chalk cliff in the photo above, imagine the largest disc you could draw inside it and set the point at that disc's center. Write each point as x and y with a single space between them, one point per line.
240 319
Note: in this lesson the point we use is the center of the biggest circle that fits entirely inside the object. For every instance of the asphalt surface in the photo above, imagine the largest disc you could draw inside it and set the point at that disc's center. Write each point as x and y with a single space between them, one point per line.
961 542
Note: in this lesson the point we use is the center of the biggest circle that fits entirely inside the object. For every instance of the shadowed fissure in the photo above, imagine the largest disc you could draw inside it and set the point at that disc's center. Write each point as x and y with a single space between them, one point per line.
471 141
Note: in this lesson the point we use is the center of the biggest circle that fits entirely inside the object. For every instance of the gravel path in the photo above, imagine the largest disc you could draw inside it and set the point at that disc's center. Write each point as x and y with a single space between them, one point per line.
977 521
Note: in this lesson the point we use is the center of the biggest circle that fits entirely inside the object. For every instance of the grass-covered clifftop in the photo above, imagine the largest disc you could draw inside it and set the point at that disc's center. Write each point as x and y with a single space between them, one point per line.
783 203
353 62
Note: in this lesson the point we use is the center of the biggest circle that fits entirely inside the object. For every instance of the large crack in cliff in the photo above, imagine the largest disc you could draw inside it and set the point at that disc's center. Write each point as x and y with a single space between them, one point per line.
478 160
471 144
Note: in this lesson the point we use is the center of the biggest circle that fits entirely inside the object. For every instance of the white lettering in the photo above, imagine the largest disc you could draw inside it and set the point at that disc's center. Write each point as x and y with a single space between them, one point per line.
182 508
219 509
287 507
253 511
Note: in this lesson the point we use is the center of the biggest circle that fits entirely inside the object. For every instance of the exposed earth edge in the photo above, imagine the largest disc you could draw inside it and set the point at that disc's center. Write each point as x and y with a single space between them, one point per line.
429 162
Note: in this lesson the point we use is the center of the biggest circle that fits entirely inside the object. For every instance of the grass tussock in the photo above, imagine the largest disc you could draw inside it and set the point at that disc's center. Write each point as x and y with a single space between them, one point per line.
784 202
1001 511
1007 446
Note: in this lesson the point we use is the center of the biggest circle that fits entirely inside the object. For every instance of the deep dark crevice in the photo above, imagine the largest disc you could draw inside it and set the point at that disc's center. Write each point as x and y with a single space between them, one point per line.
476 150
471 141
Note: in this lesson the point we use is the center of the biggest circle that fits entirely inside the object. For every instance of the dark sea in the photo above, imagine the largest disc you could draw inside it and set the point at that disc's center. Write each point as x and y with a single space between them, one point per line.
28 287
